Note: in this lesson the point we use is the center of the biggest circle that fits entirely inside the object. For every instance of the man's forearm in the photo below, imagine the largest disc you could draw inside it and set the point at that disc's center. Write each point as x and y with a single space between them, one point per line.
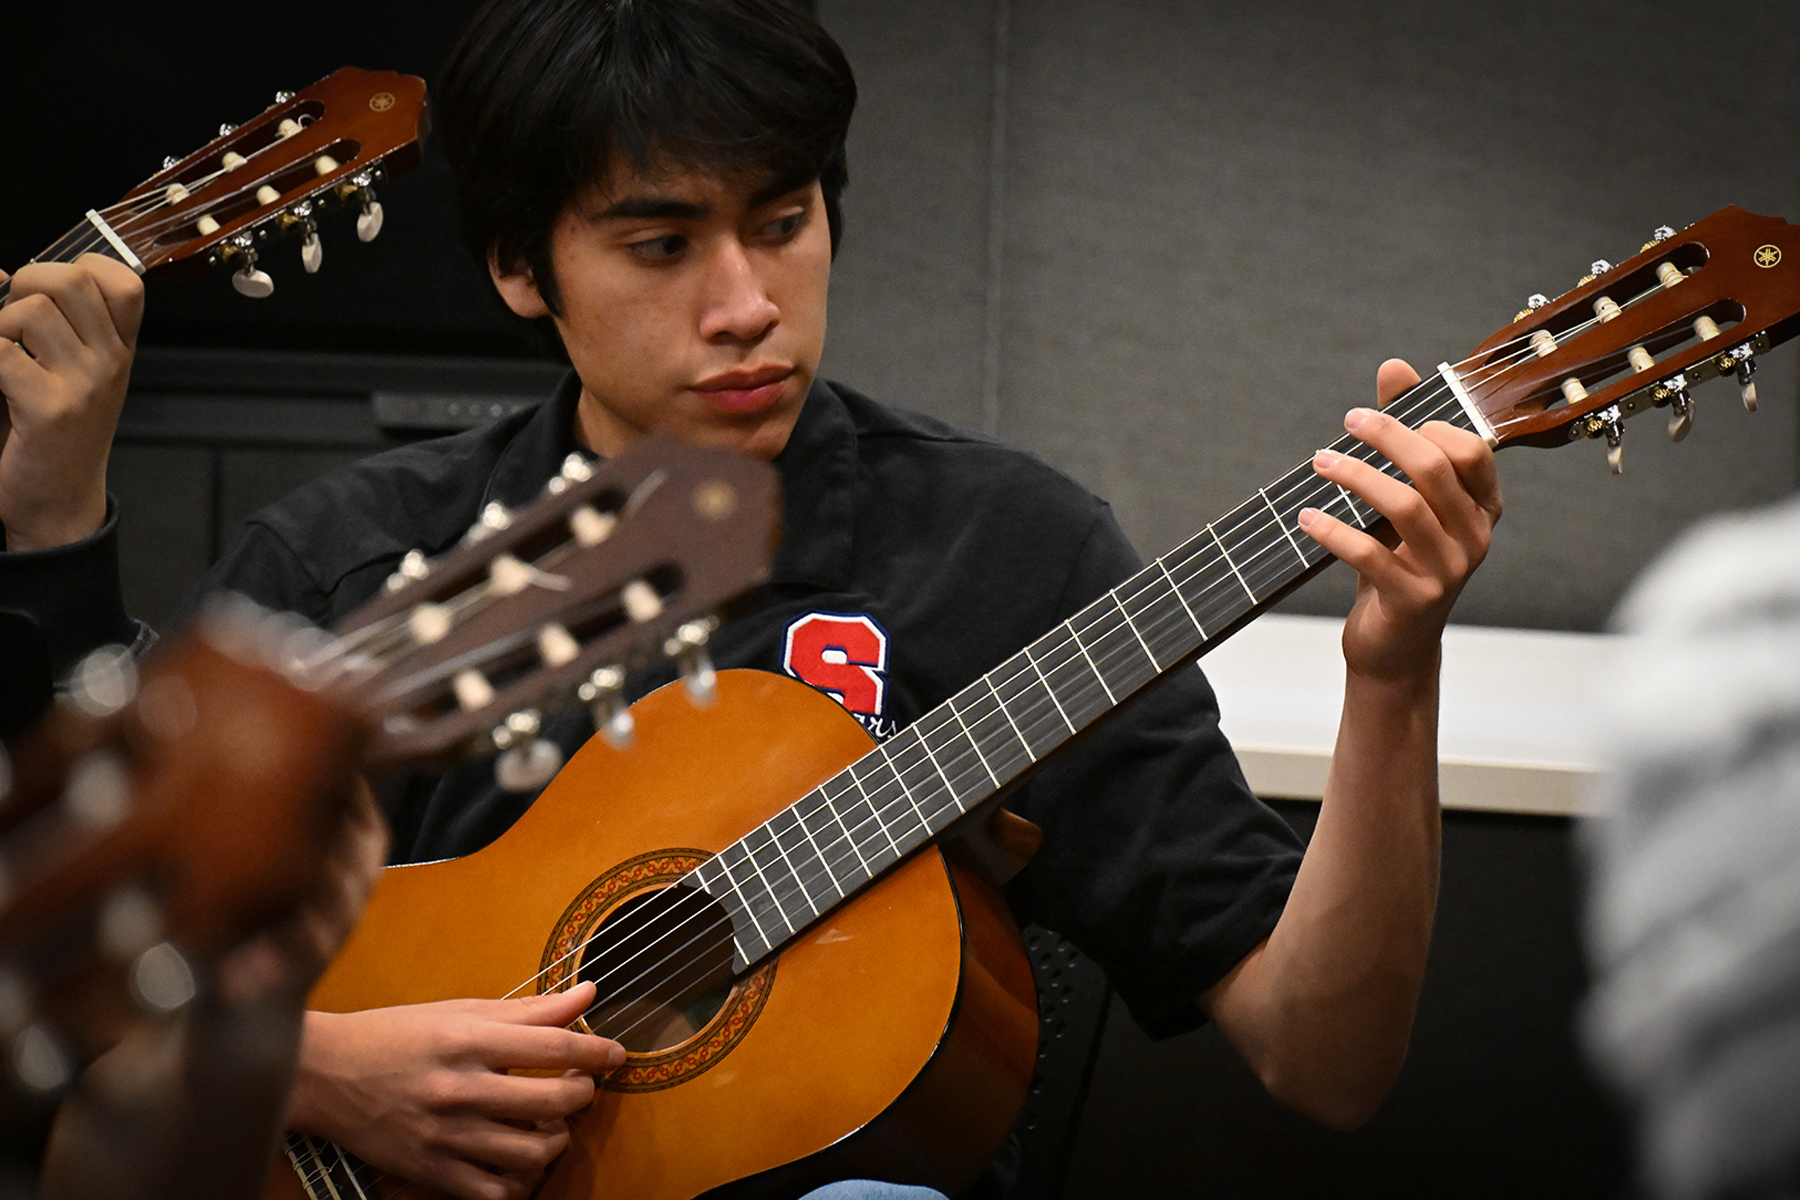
1323 1010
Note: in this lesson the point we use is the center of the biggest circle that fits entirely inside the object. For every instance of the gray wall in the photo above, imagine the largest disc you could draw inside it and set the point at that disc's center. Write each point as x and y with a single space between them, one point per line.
1165 244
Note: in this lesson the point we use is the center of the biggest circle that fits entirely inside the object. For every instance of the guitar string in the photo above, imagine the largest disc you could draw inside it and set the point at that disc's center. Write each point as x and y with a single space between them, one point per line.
1423 397
965 760
879 806
1430 396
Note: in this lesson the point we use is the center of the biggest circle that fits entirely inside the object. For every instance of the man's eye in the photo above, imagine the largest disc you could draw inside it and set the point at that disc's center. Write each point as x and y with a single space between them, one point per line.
785 227
656 249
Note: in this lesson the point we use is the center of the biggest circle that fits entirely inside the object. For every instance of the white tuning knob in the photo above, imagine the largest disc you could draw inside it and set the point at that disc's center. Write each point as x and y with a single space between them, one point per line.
312 254
368 225
529 765
253 283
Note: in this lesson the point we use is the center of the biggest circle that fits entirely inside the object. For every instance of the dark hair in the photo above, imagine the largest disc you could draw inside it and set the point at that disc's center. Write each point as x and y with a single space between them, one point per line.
539 95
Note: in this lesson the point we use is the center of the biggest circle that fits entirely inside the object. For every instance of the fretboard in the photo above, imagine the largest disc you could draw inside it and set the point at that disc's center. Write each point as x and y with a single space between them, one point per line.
833 842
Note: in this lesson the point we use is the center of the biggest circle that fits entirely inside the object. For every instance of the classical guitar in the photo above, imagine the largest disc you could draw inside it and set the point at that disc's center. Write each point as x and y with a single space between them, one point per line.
747 887
273 176
149 827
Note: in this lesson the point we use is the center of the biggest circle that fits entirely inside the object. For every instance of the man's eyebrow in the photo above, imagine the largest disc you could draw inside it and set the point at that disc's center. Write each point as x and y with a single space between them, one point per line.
652 208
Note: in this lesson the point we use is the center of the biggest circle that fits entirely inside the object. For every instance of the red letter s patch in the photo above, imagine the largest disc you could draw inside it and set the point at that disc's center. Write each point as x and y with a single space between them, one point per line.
842 654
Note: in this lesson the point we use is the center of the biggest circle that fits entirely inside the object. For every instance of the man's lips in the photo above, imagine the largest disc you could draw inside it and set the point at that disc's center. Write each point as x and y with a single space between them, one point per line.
745 391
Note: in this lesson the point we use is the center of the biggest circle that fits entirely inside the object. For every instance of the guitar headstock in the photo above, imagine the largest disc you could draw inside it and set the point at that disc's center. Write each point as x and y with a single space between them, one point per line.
275 175
617 565
148 834
150 827
1689 307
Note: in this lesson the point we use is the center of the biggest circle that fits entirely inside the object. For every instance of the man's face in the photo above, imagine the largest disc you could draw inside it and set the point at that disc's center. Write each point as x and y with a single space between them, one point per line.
691 304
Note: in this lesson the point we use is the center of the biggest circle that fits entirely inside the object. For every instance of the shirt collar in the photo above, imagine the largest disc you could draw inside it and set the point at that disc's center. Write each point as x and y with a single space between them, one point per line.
537 451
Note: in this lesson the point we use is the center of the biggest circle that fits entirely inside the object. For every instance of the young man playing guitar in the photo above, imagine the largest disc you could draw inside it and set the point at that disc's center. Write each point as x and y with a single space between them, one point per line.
660 180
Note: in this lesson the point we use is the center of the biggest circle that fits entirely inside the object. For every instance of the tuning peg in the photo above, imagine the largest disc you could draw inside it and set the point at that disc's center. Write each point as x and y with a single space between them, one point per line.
1746 369
688 649
640 601
557 647
248 280
1614 428
312 253
40 1061
1599 267
104 682
575 469
1533 302
98 795
162 981
527 762
129 922
413 566
1681 415
494 518
472 689
368 223
604 694
253 283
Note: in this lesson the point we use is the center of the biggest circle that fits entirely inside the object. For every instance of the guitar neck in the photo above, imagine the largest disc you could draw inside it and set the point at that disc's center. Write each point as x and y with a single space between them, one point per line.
837 839
89 236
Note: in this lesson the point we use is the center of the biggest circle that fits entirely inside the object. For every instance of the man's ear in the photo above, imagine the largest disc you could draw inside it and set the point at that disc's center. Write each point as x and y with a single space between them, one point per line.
516 285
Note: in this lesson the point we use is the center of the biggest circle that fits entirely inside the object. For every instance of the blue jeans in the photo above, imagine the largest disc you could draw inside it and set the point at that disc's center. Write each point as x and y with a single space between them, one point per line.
868 1189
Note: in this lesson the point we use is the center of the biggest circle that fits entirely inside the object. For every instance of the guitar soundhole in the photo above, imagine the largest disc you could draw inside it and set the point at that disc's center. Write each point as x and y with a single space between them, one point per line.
662 964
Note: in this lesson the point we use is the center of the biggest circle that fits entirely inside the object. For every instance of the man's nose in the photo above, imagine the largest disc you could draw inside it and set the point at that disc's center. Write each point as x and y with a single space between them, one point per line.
737 305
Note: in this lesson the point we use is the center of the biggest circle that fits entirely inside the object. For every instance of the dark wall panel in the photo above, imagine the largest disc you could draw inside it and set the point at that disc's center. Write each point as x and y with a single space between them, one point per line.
1215 220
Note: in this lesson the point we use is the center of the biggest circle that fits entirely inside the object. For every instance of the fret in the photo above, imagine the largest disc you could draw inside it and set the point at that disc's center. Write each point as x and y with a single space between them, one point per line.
735 890
912 816
1026 699
1357 509
973 743
1232 565
951 763
1048 690
1071 677
892 852
809 848
754 843
927 788
1132 625
1117 653
841 830
1099 675
788 871
1174 587
1207 582
985 715
1282 523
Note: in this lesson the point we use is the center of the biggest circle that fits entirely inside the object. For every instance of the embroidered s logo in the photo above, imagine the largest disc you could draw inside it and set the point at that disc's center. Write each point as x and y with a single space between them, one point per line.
844 655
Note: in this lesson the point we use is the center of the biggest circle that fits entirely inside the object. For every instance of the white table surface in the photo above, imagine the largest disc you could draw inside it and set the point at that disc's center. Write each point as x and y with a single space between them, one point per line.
1516 708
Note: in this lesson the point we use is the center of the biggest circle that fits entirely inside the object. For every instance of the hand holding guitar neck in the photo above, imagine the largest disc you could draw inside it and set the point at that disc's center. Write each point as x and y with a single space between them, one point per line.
69 320
67 334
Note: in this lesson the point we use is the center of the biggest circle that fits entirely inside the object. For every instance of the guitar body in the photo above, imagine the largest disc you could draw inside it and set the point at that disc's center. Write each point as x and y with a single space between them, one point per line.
894 1040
